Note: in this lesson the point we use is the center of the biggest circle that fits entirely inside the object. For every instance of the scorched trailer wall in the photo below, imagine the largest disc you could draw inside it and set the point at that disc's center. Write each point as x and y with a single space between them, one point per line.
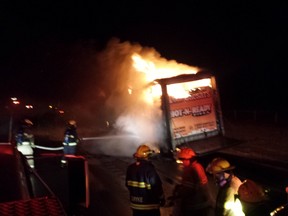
195 116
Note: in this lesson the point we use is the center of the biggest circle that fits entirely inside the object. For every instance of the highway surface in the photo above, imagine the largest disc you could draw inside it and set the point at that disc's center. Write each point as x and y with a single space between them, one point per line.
107 192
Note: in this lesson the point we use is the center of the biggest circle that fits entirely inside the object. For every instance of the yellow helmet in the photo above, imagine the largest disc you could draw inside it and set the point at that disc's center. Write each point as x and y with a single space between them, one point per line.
143 151
251 192
219 165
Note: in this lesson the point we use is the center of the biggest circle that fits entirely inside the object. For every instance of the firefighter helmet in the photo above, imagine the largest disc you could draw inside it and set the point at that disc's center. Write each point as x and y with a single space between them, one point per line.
143 151
251 192
72 123
27 122
219 165
186 153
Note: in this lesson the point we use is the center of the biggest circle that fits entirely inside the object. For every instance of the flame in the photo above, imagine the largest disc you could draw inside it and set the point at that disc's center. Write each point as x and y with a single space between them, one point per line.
181 90
157 69
135 96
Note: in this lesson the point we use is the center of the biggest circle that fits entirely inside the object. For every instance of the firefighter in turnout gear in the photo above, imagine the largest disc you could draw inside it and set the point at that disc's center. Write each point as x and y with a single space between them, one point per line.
70 140
227 203
144 185
192 196
253 198
25 141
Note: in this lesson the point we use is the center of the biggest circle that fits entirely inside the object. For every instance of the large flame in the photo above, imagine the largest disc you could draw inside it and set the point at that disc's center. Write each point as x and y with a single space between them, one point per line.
134 96
161 69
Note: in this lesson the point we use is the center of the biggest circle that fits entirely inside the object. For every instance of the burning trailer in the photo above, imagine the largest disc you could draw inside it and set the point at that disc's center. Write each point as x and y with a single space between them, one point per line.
158 101
191 108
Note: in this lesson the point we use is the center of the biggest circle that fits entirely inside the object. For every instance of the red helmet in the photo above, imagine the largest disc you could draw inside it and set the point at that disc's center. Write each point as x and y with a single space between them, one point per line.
186 153
251 192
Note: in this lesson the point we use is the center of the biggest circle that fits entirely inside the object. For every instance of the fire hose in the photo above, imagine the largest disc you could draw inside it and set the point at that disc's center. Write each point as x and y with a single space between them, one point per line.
49 148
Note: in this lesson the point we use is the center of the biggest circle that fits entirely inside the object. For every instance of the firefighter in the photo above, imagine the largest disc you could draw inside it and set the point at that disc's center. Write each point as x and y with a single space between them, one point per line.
253 198
228 184
70 140
191 195
144 185
25 141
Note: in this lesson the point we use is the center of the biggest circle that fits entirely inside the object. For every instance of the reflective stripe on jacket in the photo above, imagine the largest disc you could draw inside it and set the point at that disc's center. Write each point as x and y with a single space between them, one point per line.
139 184
70 144
144 206
144 185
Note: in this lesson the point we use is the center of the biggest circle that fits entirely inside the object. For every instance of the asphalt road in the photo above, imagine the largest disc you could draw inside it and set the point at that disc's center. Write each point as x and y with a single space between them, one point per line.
107 192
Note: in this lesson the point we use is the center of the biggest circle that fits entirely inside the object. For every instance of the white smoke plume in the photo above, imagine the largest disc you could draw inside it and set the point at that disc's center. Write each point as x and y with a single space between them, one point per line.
134 120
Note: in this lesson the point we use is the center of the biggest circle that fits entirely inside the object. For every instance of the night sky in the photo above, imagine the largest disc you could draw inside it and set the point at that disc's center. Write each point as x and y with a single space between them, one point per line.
243 43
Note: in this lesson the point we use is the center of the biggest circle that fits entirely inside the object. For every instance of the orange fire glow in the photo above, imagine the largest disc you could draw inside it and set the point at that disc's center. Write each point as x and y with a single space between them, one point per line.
159 69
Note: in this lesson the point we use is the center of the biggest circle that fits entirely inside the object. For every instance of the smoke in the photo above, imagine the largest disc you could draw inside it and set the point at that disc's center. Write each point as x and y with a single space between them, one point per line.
129 113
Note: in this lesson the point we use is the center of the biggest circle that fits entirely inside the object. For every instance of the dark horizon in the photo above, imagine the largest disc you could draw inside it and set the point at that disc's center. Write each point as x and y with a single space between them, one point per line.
48 50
